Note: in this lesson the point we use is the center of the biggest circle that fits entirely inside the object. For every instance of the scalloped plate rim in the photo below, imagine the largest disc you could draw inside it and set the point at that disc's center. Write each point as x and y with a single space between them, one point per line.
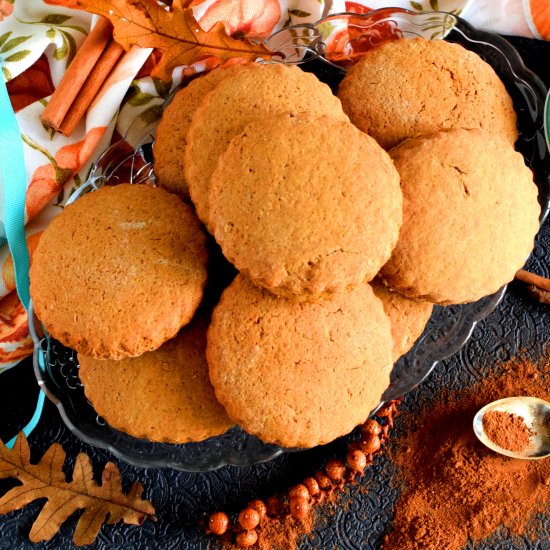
476 318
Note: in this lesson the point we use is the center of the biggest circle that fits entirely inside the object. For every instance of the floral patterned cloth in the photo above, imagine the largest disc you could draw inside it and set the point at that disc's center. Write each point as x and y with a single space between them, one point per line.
39 38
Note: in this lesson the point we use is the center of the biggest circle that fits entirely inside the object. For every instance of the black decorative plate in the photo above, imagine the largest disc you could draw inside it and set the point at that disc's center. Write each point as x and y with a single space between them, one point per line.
449 328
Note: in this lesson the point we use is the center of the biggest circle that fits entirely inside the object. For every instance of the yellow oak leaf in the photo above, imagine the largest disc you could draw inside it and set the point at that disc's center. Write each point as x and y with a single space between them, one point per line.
105 502
174 31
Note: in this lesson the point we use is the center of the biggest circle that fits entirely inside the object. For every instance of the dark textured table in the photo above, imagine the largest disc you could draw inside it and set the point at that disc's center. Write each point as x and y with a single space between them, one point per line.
519 323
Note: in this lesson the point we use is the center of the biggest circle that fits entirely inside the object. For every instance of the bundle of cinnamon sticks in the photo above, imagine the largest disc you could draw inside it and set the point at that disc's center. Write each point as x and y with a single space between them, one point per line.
92 64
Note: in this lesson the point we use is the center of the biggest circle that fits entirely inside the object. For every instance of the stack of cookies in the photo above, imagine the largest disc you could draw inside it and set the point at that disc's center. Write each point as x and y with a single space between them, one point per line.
299 347
346 221
119 276
470 209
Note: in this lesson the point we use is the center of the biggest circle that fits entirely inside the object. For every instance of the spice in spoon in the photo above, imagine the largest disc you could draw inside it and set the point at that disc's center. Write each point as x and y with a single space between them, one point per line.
508 431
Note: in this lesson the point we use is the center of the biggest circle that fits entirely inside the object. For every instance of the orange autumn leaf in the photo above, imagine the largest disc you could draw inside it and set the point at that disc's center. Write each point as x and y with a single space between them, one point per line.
245 17
180 4
147 24
46 480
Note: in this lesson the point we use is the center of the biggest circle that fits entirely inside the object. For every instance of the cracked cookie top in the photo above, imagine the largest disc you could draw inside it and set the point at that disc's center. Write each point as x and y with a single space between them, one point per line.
305 205
298 374
410 87
470 215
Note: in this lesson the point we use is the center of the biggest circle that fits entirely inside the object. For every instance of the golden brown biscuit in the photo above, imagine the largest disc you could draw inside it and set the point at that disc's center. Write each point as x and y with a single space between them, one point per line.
234 103
298 374
162 395
408 317
119 271
171 136
410 87
298 226
470 214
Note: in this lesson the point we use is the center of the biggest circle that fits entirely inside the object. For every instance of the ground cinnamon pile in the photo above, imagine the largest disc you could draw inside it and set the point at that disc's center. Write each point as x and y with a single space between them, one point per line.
507 430
284 534
456 489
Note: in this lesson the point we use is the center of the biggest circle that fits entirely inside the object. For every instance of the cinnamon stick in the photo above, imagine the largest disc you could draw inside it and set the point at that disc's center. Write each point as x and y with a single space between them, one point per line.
534 280
76 74
95 80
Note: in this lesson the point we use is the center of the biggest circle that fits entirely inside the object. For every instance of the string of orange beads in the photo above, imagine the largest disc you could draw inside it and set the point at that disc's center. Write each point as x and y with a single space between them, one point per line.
313 490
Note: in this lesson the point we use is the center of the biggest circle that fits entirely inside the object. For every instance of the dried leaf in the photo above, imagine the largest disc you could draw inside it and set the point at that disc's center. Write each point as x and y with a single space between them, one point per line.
175 32
47 480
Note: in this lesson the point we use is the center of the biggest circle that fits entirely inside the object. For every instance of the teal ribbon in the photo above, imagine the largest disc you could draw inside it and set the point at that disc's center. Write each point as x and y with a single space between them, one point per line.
14 189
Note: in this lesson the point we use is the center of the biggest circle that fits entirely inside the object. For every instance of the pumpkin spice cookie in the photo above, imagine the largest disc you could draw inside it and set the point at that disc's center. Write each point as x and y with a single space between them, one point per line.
408 317
297 226
298 374
244 98
470 215
119 271
162 395
171 136
410 87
